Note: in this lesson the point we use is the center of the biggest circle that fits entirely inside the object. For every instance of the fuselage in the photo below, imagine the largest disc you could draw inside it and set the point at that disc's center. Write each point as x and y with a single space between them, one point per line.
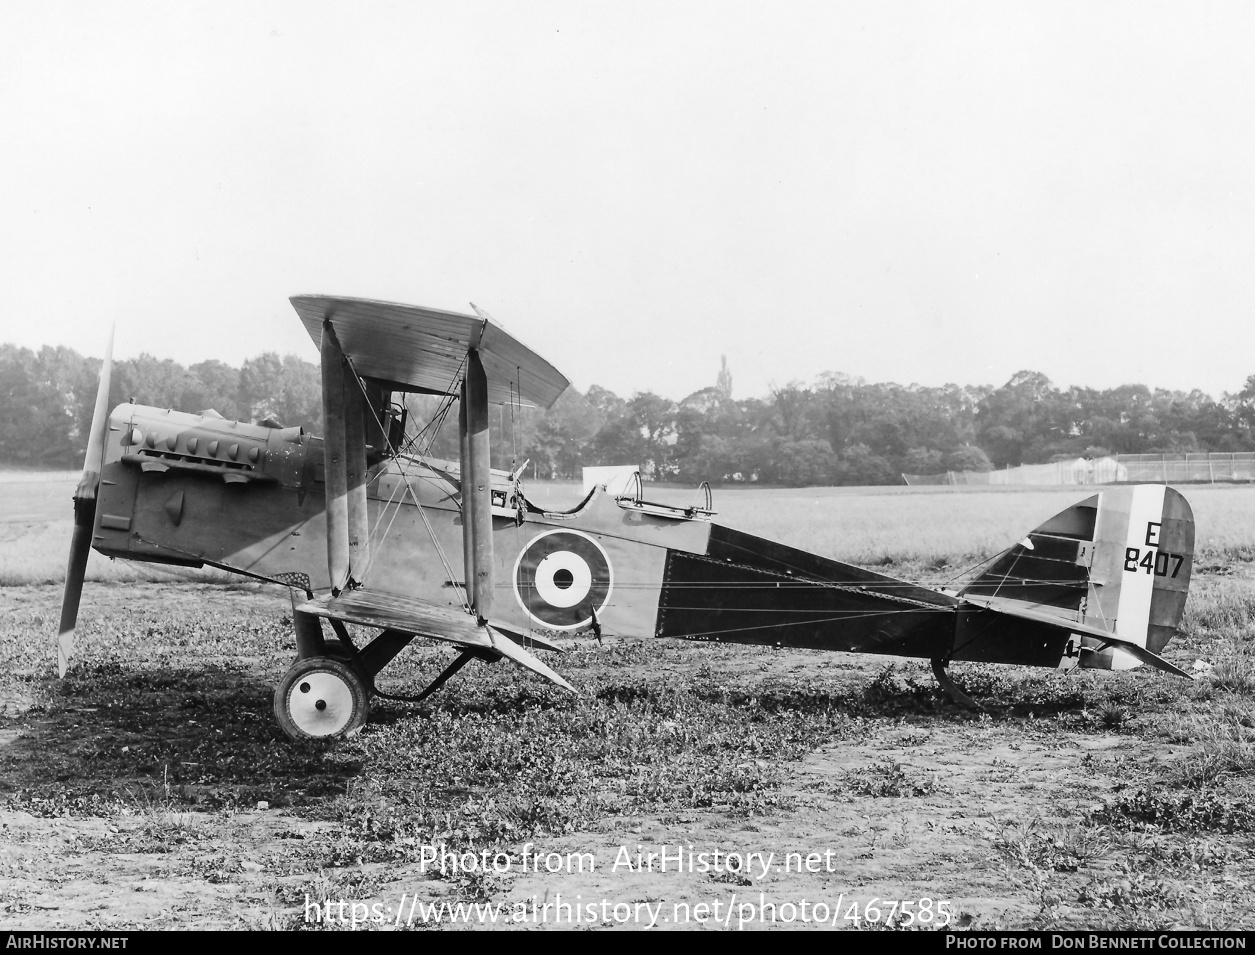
198 489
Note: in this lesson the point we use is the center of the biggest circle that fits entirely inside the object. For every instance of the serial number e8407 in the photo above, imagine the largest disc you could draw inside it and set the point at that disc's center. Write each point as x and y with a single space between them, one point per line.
1152 560
1161 563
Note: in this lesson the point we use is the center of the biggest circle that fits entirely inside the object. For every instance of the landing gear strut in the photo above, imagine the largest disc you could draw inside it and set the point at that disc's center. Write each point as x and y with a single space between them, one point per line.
326 693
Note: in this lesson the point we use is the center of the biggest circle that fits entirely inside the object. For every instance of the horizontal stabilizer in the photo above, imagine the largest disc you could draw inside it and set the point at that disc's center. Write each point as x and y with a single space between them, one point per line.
1150 658
1060 619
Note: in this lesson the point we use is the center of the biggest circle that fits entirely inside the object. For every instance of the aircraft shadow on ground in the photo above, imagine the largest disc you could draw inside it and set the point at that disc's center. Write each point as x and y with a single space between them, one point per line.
206 738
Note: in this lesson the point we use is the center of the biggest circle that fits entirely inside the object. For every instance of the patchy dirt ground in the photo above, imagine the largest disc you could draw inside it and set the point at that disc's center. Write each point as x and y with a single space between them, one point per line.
151 788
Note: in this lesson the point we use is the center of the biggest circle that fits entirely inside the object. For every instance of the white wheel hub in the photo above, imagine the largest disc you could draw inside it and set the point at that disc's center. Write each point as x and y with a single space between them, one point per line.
320 703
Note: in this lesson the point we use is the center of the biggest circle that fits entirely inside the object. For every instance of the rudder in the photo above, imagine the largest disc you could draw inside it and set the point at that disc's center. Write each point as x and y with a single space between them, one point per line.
1119 561
1143 561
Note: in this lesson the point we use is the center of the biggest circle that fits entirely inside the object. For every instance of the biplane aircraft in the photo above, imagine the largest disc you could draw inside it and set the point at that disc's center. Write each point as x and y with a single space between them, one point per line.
366 531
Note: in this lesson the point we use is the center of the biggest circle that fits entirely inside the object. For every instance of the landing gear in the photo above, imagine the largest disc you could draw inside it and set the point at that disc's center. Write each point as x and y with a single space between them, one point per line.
335 650
321 698
326 693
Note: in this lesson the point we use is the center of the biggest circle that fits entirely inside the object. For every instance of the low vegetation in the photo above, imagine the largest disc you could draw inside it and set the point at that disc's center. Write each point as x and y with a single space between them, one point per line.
152 789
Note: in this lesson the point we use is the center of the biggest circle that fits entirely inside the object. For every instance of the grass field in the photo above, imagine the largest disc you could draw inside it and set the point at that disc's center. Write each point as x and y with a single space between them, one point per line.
152 789
937 529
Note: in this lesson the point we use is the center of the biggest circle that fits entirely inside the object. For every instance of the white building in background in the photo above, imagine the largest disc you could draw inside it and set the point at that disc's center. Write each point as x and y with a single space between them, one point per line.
618 478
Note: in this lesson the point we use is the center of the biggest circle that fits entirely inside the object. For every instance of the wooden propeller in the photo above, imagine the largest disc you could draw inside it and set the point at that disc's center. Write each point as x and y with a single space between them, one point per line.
84 514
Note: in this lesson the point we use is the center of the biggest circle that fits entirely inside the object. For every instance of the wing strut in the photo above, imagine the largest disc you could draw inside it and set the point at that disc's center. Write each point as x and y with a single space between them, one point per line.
355 466
468 502
334 464
477 484
344 463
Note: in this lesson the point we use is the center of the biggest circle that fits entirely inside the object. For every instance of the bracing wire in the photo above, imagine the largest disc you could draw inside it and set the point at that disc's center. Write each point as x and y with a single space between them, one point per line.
395 454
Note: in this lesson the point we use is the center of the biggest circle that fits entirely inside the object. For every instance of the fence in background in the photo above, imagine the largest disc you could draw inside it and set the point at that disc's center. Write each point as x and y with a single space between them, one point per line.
1179 468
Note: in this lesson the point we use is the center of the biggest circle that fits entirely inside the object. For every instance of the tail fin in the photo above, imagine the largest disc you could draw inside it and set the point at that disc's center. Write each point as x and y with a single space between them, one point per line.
1117 563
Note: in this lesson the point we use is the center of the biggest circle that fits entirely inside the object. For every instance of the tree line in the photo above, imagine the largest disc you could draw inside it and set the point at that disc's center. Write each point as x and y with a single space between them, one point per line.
47 397
835 430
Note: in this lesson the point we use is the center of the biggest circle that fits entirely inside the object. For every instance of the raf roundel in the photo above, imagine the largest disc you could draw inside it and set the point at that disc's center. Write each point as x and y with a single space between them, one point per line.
562 578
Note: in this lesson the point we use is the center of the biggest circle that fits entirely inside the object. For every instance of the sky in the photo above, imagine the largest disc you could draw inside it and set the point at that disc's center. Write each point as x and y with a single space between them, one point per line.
899 191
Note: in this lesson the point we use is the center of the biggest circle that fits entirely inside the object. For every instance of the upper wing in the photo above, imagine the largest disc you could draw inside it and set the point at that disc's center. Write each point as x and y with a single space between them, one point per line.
423 349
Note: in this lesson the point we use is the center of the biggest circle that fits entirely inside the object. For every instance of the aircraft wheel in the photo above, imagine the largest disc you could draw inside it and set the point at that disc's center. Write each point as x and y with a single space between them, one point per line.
321 698
335 650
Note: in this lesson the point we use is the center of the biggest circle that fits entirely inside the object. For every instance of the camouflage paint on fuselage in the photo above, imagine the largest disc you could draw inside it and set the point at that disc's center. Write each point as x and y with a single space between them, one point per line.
193 489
